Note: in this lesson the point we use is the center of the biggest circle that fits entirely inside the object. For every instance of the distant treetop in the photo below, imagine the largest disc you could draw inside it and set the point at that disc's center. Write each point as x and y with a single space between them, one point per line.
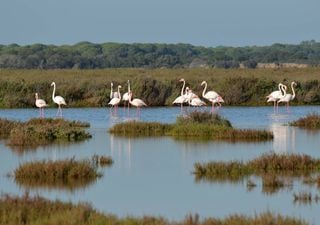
86 55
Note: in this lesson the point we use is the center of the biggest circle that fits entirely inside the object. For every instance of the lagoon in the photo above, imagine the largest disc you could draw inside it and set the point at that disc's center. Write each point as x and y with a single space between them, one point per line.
153 176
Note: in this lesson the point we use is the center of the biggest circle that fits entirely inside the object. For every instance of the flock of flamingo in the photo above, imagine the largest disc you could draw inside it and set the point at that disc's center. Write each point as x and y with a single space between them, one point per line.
186 96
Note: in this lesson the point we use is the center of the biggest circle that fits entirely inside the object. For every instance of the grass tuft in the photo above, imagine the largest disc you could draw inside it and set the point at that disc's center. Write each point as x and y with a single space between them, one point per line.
37 210
196 125
269 166
37 132
67 174
311 121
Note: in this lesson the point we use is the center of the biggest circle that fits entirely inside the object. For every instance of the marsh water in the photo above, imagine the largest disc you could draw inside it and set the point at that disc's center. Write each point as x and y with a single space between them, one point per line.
153 176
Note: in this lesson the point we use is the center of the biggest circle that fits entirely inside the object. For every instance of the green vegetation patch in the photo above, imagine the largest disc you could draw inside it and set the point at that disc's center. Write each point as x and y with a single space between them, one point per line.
37 210
37 132
64 174
197 125
265 164
272 168
311 121
136 128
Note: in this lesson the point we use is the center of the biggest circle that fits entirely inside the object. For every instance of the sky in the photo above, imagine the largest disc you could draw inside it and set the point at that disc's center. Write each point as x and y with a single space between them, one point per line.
208 23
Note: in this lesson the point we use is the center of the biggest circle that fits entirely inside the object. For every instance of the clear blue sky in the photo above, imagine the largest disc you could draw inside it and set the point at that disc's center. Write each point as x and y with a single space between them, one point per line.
198 22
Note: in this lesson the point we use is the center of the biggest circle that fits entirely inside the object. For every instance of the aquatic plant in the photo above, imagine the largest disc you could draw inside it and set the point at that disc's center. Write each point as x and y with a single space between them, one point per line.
5 127
101 160
68 174
37 132
272 168
196 125
138 128
311 121
305 198
38 210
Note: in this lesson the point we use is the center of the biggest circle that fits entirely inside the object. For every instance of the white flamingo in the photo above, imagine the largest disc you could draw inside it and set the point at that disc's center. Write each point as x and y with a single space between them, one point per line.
40 103
114 102
196 102
57 99
288 97
182 98
190 95
113 94
276 95
125 96
136 102
211 96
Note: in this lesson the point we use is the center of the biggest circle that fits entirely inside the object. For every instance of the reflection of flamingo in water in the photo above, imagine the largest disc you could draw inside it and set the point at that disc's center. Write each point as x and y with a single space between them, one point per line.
276 95
57 99
40 103
288 97
137 103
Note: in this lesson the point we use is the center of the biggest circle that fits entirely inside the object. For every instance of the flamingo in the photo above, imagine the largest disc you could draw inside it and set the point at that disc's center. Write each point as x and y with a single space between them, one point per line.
276 95
190 95
125 96
114 102
40 103
193 99
288 97
57 99
136 102
182 98
212 96
196 102
113 94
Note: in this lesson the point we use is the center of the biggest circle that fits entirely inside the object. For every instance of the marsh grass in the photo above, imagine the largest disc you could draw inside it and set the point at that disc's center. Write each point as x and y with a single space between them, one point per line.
305 198
272 168
101 160
137 128
196 125
311 121
37 132
6 126
37 210
63 174
158 87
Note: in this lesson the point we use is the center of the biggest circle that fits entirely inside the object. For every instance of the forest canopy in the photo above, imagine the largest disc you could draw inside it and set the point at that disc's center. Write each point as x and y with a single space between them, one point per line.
86 55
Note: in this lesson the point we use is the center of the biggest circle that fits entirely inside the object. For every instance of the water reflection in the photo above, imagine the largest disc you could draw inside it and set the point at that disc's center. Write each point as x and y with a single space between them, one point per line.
120 149
284 135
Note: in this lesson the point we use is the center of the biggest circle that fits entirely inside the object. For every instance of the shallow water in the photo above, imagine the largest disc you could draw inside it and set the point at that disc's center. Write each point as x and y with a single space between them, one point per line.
153 176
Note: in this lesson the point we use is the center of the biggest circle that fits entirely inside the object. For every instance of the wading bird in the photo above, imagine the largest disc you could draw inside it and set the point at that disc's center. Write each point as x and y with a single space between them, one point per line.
137 103
211 96
288 97
276 95
182 98
40 103
113 94
58 100
125 96
114 102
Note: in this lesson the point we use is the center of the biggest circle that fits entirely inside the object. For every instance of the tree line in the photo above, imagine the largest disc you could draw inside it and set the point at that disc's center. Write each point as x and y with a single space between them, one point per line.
86 55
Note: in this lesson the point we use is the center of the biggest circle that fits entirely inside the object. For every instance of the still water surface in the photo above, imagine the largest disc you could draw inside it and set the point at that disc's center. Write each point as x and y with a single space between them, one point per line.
153 176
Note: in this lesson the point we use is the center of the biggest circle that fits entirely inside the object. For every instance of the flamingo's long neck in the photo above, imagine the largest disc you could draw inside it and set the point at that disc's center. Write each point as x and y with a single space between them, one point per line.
111 92
54 91
130 94
184 84
293 92
283 90
119 92
129 87
204 90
